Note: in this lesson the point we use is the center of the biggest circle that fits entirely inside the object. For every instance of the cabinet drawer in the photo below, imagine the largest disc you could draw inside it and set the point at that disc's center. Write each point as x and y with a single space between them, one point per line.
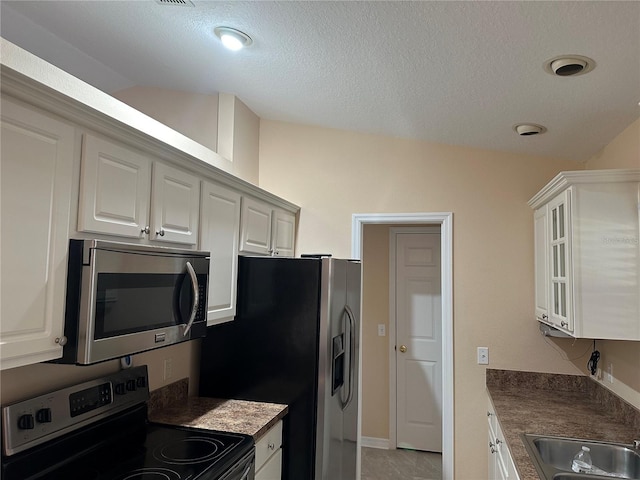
272 470
268 445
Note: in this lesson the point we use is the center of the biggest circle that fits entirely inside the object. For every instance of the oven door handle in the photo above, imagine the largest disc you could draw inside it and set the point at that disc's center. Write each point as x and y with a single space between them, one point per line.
245 474
196 298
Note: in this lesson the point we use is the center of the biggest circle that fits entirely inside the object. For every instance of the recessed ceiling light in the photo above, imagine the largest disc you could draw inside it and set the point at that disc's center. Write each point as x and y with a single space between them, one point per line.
569 65
233 39
528 129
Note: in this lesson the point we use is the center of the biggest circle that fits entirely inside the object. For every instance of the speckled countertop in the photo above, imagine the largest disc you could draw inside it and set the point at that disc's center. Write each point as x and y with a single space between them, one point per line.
171 406
557 405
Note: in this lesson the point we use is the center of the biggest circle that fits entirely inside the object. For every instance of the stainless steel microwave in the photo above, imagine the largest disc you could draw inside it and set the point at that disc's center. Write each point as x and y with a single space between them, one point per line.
124 299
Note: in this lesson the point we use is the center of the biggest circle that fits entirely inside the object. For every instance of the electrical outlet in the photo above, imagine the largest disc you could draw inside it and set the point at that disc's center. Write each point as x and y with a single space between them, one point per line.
483 355
610 372
168 367
382 330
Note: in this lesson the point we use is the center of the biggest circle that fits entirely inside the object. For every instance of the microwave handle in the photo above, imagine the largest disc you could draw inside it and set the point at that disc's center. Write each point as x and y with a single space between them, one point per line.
196 298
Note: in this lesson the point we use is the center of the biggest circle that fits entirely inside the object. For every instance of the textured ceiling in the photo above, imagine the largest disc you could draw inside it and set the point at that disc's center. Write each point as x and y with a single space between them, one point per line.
460 73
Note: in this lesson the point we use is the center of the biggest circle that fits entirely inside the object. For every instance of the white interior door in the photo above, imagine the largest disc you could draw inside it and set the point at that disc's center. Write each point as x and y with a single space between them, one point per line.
418 342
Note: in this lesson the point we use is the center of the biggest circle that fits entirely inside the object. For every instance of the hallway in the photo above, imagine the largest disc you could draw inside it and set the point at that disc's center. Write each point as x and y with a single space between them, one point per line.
379 464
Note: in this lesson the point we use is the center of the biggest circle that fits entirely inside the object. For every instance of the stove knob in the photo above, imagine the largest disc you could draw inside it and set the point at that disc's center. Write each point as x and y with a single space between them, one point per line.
120 388
25 422
131 385
141 382
43 415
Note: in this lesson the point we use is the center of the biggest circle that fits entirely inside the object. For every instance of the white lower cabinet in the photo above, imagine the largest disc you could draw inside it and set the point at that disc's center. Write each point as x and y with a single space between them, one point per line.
501 465
219 232
36 183
269 454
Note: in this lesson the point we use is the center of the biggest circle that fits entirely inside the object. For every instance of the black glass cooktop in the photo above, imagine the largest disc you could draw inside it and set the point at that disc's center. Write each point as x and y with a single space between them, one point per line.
171 453
126 452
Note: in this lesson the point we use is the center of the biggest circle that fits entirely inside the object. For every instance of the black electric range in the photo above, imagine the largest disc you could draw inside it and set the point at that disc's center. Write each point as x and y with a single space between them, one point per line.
99 430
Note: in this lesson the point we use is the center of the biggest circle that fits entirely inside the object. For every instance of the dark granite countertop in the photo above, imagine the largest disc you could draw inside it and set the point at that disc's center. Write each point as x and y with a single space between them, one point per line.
237 416
171 405
557 405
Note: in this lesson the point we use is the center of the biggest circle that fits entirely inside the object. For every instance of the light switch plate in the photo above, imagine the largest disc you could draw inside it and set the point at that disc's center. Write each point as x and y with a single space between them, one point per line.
382 331
483 355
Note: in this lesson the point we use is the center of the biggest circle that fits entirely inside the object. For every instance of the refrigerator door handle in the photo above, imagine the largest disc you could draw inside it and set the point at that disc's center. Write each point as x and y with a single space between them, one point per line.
352 346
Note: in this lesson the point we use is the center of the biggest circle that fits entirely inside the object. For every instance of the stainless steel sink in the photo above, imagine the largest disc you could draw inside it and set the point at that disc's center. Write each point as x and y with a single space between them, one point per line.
552 457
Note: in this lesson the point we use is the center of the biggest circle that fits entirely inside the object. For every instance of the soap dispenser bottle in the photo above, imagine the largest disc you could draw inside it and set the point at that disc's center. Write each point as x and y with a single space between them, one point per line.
582 461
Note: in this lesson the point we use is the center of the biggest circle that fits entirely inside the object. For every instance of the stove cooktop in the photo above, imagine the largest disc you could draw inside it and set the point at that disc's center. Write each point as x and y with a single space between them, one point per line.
167 453
97 430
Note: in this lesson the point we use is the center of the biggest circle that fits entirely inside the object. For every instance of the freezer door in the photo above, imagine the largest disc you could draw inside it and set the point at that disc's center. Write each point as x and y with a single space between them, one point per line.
336 453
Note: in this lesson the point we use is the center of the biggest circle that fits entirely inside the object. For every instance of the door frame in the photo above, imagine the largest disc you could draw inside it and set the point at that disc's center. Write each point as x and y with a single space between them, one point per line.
393 388
445 221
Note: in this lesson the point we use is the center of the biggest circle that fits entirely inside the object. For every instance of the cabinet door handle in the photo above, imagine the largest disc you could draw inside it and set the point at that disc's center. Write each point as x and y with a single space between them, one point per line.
161 232
564 324
489 414
145 230
271 446
544 317
62 341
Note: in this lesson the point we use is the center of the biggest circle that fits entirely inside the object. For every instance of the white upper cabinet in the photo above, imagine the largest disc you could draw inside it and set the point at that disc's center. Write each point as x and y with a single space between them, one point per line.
124 193
541 242
175 205
283 235
266 230
36 184
587 254
115 189
219 233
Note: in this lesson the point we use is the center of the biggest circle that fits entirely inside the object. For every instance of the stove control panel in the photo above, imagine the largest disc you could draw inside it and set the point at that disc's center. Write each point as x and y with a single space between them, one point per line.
43 418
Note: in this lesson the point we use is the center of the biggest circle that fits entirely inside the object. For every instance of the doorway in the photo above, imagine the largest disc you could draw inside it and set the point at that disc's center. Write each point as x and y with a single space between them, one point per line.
445 223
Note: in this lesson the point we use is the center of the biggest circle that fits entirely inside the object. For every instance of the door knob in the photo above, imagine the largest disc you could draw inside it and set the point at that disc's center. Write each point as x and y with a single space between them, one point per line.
403 348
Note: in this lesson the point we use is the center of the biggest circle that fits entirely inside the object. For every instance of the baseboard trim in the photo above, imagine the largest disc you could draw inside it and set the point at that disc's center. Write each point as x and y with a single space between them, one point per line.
373 442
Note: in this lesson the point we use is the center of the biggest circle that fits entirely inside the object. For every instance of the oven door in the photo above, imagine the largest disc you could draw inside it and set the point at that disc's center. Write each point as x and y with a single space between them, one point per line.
137 299
244 469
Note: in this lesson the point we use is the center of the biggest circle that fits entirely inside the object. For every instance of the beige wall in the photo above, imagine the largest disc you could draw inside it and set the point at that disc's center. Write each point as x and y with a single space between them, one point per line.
375 349
333 174
238 137
25 382
193 115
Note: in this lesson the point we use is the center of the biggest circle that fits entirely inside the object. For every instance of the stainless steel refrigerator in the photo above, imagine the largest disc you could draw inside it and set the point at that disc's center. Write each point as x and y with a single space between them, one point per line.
295 340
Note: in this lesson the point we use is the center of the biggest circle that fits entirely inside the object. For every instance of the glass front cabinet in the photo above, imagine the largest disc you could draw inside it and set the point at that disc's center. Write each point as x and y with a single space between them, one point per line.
587 254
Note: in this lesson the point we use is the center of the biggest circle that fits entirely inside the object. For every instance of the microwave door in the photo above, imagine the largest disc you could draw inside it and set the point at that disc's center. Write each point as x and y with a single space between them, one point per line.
189 282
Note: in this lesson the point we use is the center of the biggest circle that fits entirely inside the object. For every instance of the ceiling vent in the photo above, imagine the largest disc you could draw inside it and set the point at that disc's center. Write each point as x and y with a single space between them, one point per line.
176 3
528 129
569 65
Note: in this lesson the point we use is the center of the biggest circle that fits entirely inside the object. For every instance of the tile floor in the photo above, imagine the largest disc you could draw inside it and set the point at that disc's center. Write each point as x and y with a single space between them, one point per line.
378 464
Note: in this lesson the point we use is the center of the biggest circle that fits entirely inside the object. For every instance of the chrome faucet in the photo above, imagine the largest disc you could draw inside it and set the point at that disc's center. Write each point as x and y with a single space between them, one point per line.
636 444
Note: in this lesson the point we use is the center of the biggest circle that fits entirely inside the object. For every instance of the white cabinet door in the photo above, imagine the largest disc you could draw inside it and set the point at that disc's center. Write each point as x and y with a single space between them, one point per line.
117 198
541 262
284 228
36 165
560 294
255 233
175 205
219 232
269 454
115 187
266 230
272 470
